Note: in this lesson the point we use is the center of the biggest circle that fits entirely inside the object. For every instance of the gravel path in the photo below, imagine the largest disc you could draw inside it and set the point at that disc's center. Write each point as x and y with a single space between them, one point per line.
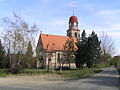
107 80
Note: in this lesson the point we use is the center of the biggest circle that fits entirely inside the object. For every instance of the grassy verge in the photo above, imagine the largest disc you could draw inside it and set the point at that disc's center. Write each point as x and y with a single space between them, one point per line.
2 73
102 65
65 75
77 74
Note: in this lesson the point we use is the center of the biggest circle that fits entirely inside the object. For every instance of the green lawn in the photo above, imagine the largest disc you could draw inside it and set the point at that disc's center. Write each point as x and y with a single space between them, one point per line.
82 73
2 73
65 74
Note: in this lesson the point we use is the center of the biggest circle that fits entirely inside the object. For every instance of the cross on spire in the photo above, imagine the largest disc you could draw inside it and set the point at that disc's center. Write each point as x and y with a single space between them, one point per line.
73 12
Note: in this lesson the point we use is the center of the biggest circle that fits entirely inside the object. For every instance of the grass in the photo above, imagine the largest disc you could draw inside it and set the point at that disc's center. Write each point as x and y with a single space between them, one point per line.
82 73
34 72
102 65
2 73
34 69
65 74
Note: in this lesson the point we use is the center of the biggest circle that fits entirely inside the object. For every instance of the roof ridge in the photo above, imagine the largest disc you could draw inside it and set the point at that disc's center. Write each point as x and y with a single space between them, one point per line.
53 35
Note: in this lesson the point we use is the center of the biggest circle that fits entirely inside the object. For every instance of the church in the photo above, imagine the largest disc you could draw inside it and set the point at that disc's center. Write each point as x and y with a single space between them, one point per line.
51 47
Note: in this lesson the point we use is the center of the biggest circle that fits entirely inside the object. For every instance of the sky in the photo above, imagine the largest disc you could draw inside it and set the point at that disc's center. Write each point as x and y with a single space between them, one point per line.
52 16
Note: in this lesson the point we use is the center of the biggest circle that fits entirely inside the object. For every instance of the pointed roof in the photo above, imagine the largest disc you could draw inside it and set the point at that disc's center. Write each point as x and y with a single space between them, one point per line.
54 42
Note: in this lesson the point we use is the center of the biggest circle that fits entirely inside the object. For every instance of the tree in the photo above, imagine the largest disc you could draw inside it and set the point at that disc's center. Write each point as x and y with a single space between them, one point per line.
68 54
38 56
107 46
3 57
81 53
89 50
29 55
29 50
94 50
83 36
70 49
17 34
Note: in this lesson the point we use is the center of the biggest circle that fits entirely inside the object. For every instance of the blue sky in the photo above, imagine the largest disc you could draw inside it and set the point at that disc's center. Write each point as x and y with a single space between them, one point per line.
52 16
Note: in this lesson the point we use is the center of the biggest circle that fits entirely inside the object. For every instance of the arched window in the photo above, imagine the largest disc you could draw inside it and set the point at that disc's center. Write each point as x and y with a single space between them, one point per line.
75 34
58 57
79 35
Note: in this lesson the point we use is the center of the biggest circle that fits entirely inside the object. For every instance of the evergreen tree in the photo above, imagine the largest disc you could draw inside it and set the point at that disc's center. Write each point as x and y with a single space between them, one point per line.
83 35
29 56
94 50
29 50
89 50
3 59
82 51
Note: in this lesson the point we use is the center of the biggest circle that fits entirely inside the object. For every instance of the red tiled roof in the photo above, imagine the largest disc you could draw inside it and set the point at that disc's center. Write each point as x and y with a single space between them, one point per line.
54 42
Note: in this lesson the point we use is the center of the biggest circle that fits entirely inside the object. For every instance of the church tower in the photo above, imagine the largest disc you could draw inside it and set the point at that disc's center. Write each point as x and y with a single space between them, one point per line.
73 30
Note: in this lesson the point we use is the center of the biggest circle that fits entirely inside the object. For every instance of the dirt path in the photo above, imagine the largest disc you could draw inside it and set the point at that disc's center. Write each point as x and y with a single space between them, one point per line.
107 80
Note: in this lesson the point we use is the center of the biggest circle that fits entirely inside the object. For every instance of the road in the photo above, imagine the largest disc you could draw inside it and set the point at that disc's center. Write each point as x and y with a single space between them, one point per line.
106 80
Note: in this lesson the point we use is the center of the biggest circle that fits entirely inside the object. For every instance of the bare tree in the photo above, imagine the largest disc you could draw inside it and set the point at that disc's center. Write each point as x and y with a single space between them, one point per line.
68 53
107 46
16 37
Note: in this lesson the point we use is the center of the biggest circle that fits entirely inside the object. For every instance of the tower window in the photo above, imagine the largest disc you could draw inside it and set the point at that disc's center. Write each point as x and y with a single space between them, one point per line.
75 34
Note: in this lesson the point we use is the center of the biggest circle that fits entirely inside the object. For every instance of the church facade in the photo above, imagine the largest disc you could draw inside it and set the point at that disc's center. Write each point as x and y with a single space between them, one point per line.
51 47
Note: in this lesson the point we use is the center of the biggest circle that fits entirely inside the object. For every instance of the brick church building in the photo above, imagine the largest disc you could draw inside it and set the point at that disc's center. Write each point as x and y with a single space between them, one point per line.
52 46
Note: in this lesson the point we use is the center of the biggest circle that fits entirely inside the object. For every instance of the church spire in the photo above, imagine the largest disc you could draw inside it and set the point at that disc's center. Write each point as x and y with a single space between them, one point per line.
73 12
73 30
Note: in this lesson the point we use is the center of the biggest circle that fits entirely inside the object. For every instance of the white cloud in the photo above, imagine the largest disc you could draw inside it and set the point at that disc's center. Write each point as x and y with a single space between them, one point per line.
111 27
114 34
82 5
57 26
73 4
109 14
110 22
88 6
56 23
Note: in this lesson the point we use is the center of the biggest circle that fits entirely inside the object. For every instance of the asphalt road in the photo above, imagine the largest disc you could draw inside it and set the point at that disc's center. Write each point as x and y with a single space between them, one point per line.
107 80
